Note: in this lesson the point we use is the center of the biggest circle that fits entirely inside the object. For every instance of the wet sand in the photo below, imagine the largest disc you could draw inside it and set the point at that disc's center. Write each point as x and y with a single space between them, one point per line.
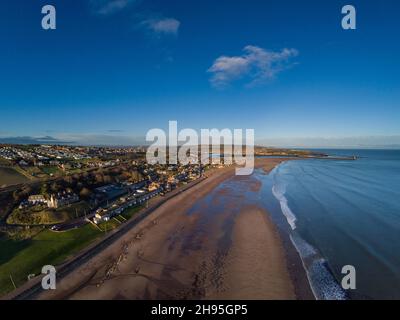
216 249
255 267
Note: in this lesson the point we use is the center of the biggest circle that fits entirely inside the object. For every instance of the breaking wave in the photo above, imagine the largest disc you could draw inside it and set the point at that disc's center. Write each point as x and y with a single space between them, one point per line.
279 193
322 282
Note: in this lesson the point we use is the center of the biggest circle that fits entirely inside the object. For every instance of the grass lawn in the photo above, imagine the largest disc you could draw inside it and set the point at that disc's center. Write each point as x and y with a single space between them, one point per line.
21 258
74 210
130 212
51 170
109 225
33 171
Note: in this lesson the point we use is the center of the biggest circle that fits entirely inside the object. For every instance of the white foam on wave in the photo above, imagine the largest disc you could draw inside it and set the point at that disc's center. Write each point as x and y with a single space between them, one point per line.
323 284
280 196
305 249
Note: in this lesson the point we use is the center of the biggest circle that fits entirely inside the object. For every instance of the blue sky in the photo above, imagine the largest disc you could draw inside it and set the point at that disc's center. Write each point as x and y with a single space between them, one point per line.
114 69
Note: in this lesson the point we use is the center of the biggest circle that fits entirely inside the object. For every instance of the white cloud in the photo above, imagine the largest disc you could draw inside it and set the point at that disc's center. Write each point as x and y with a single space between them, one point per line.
106 7
155 25
255 64
162 26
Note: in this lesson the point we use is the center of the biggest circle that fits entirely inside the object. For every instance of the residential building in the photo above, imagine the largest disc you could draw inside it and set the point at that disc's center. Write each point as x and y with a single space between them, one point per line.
62 199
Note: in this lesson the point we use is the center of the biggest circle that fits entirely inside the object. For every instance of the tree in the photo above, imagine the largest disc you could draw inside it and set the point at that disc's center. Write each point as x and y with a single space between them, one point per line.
16 196
27 190
99 178
107 179
44 189
54 187
68 180
85 193
136 176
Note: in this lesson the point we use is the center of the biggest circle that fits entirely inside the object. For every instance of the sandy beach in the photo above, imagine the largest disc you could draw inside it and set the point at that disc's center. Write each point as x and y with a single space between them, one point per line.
187 251
255 266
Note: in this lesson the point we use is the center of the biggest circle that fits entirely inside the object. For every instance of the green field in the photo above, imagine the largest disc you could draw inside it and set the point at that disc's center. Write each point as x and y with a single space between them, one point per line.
21 258
9 176
52 170
130 212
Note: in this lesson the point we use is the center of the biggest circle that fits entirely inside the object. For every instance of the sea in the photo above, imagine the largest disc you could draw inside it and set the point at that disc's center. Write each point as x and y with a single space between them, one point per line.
342 213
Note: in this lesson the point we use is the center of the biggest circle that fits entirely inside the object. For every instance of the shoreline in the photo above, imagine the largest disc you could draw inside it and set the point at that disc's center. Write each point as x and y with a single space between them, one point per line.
297 270
296 246
152 256
295 264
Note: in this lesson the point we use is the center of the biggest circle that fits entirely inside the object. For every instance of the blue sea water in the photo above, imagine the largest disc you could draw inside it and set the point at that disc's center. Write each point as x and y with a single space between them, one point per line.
343 213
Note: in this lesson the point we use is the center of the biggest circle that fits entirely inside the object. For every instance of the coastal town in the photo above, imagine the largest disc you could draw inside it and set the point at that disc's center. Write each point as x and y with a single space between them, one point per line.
73 195
65 183
52 185
82 192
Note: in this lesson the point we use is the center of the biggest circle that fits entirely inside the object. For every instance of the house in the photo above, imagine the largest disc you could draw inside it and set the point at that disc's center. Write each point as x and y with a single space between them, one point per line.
181 177
110 192
138 185
62 199
36 199
24 204
171 179
101 215
23 163
153 186
97 219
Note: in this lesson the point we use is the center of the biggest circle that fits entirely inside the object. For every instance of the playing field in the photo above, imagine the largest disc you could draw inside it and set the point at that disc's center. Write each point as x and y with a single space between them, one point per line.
18 259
